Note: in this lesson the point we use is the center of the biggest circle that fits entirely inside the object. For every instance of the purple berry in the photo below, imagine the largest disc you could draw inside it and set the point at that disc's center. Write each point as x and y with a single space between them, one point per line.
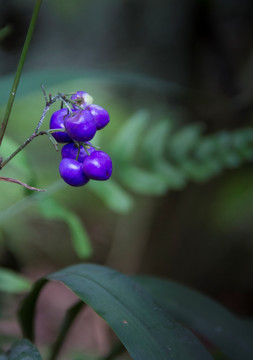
71 150
81 126
97 166
57 122
72 173
100 115
82 98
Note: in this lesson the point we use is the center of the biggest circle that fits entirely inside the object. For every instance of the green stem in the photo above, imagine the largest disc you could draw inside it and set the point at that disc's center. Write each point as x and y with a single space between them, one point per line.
19 69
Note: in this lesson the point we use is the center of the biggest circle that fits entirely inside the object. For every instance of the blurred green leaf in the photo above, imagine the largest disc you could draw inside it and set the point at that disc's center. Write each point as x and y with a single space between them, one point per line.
143 327
201 171
184 140
143 181
113 195
24 350
154 142
50 209
128 139
20 161
175 177
31 81
233 204
203 315
13 282
5 31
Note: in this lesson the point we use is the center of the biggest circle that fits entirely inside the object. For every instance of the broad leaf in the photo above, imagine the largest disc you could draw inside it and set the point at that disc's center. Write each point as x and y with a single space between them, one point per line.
203 315
24 350
143 327
12 282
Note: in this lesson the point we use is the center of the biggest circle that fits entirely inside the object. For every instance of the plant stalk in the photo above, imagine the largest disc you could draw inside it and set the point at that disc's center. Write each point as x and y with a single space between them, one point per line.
19 69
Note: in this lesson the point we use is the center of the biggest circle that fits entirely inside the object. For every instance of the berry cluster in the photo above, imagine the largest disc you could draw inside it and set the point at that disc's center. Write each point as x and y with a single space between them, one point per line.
81 161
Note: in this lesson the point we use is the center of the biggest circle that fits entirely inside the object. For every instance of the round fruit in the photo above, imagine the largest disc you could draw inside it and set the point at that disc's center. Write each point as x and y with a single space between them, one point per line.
97 166
100 115
57 122
70 151
72 173
81 126
82 98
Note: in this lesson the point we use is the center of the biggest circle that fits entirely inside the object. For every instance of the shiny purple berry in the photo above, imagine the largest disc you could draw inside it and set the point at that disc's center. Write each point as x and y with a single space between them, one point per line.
57 122
97 166
81 126
100 115
72 173
82 98
71 150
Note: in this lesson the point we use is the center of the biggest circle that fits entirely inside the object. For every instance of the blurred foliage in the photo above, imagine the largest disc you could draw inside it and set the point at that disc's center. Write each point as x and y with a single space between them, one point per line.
150 157
12 282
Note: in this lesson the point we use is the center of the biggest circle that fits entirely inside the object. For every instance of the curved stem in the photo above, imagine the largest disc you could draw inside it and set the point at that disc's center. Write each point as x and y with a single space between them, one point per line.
19 69
70 316
28 140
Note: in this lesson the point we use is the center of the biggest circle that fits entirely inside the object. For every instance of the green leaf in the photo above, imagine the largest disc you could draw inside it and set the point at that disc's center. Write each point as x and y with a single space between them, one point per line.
20 162
175 177
153 144
81 242
113 195
24 350
12 282
143 327
203 315
127 141
143 181
184 140
201 171
31 79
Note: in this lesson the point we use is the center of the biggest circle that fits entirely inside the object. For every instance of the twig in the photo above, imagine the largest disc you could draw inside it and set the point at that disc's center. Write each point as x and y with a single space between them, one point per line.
20 183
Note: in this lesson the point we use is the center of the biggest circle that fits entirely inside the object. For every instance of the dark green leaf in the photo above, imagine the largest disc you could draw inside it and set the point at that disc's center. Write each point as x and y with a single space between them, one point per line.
12 282
81 242
24 350
27 310
143 327
203 315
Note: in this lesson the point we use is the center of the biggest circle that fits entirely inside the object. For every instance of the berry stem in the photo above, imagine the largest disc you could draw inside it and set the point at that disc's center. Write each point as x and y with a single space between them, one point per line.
52 100
19 69
28 140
